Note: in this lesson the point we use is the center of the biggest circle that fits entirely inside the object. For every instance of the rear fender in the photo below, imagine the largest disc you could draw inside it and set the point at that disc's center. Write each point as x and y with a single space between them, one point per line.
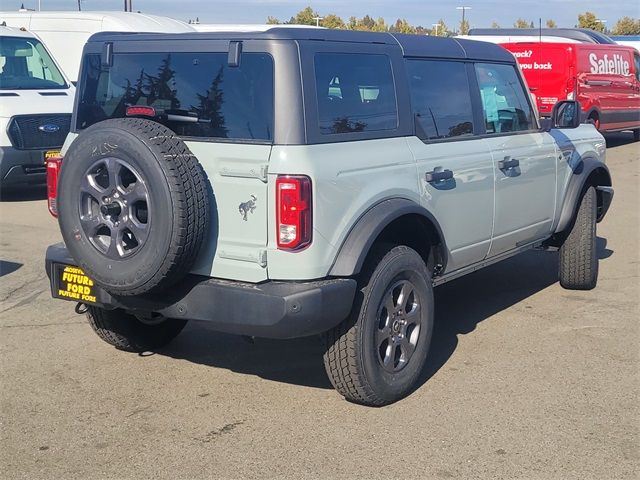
356 247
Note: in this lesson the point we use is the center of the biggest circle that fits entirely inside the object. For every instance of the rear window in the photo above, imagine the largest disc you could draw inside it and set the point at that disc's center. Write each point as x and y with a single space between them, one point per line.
440 98
194 94
355 93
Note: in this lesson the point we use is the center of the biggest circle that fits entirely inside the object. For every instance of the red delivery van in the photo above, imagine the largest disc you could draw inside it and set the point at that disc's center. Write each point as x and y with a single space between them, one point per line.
605 79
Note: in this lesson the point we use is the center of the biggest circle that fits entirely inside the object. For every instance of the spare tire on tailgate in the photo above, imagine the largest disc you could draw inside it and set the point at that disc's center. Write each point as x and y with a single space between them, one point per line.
133 205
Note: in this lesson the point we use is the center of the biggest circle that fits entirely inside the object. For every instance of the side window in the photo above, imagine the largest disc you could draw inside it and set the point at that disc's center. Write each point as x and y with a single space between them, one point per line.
355 93
505 103
440 98
636 61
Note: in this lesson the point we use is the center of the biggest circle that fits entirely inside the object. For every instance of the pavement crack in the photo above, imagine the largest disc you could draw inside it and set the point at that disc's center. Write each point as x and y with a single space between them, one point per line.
213 434
139 410
42 324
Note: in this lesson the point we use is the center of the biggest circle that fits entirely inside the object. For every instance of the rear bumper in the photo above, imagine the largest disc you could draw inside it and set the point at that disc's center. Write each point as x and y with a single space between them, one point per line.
269 309
21 166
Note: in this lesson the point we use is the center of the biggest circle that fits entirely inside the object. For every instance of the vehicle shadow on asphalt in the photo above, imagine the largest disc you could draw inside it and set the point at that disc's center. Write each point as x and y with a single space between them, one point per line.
23 193
460 306
297 361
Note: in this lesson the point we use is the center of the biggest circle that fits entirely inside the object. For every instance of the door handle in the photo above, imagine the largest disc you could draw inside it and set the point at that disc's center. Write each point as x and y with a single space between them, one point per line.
508 164
438 175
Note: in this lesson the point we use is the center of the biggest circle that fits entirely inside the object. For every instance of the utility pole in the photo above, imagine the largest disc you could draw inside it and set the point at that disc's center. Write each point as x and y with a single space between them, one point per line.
79 6
435 25
464 9
317 19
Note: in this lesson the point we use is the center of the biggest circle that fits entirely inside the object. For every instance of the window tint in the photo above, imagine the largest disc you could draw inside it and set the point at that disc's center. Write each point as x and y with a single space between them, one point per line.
355 93
25 64
440 98
636 61
504 101
194 94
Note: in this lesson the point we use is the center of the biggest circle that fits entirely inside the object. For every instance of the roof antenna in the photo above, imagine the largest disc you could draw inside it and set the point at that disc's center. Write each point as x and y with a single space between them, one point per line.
540 29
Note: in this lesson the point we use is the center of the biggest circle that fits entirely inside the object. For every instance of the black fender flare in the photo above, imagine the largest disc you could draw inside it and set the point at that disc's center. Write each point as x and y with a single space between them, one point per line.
356 246
589 171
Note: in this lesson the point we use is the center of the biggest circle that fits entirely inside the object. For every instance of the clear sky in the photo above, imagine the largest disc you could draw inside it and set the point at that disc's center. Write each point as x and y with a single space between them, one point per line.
417 12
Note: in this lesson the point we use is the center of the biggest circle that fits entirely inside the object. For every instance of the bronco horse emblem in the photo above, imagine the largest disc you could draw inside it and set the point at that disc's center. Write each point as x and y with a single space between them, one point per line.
247 207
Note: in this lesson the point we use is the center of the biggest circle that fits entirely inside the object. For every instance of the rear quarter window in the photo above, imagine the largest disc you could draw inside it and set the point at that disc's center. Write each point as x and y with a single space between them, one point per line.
355 92
194 94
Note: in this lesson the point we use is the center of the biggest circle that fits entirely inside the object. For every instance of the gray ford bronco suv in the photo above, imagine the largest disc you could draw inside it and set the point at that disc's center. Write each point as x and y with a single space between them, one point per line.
296 182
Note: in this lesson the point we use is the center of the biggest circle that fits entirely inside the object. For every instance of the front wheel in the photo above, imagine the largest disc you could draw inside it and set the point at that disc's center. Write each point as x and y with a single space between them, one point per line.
131 334
578 256
376 355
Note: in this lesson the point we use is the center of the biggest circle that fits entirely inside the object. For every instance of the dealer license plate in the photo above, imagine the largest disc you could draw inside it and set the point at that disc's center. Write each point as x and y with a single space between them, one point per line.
73 284
50 154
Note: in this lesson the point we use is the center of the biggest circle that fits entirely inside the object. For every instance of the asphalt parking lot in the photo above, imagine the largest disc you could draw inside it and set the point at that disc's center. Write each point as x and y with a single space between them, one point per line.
525 379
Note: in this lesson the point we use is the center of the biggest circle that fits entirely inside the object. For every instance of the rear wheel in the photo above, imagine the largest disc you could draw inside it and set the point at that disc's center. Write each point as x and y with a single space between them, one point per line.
376 355
578 256
131 334
636 134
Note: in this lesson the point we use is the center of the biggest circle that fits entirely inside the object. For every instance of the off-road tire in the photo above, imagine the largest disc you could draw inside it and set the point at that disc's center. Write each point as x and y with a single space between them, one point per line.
179 202
350 356
126 332
578 255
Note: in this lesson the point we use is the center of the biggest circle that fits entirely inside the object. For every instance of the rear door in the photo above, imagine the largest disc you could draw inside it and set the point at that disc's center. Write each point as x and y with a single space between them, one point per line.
455 167
524 159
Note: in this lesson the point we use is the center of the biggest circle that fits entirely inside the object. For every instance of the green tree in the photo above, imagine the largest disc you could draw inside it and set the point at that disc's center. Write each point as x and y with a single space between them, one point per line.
521 23
380 26
402 26
440 29
464 27
304 17
332 21
272 21
551 24
591 21
627 26
495 24
352 23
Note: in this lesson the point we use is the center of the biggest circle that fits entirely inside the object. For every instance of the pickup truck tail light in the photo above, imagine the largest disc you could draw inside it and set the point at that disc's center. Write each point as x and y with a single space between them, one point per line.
293 211
53 171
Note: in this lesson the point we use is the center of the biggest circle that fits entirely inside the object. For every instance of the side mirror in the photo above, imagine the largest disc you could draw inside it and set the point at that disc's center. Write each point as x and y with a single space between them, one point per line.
565 114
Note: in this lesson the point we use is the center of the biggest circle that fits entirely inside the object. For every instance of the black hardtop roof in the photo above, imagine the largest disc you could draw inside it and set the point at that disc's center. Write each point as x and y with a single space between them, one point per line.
411 45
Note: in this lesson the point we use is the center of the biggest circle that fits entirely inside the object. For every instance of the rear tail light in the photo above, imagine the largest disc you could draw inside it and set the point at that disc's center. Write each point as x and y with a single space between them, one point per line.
293 211
571 88
53 171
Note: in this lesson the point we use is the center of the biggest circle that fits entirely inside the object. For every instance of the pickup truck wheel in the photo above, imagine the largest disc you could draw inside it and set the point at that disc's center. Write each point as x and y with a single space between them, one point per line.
133 205
375 356
578 256
126 332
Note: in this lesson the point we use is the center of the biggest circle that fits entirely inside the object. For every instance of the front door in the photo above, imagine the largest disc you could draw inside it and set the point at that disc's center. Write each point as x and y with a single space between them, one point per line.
524 159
